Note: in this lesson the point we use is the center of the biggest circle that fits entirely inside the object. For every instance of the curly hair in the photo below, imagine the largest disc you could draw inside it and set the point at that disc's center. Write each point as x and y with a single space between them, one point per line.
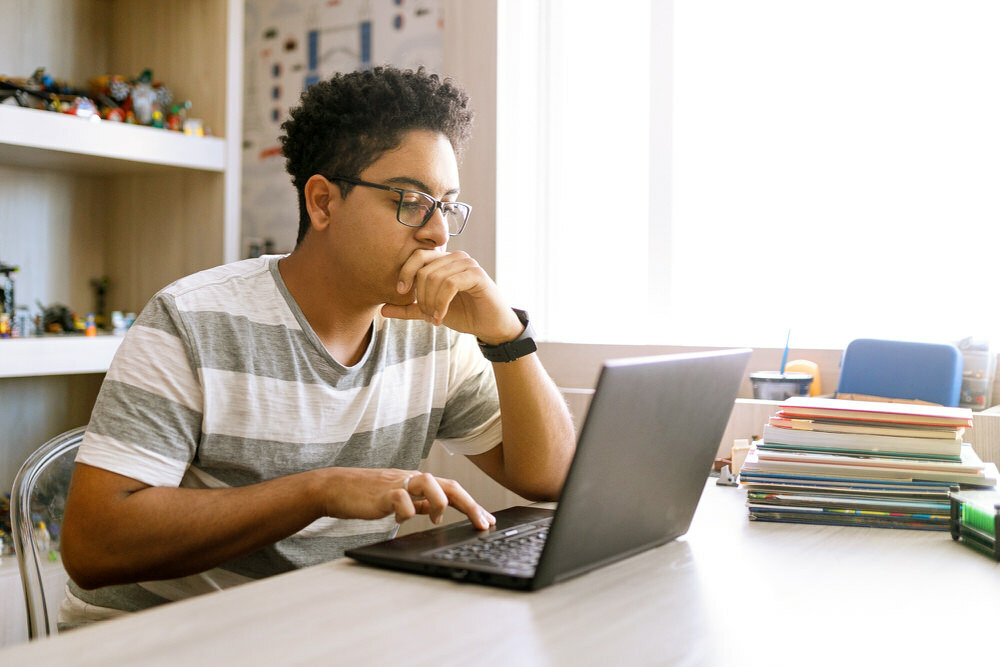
344 124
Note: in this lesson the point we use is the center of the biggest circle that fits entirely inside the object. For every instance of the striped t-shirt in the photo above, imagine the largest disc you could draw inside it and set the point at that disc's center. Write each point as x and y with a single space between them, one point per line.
221 382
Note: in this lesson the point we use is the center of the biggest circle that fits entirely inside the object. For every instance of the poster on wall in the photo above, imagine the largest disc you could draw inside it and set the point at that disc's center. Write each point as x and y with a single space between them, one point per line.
290 44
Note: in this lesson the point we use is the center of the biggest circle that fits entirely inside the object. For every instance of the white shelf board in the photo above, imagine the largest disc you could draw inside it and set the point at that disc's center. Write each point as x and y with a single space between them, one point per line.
50 140
56 355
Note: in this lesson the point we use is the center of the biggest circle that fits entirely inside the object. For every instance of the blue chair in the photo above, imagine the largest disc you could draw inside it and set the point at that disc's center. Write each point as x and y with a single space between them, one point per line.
929 372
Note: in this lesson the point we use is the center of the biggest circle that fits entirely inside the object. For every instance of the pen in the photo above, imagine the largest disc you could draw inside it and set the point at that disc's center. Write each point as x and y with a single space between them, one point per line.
784 355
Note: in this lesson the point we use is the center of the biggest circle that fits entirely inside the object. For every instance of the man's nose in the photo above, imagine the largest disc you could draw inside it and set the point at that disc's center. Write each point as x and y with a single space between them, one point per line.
435 229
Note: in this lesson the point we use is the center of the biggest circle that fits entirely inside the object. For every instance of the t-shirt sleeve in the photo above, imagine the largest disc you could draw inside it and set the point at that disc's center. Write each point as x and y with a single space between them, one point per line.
146 421
471 420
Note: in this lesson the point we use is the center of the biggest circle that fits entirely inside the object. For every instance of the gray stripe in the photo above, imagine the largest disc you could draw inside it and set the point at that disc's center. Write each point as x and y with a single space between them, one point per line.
468 406
287 555
296 552
239 461
160 314
138 413
234 343
127 597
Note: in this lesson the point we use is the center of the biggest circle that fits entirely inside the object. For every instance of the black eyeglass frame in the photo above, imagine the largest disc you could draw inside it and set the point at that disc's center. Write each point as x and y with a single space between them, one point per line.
402 192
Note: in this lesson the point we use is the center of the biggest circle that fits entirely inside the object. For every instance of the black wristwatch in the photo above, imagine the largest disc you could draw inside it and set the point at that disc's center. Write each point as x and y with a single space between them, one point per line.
511 351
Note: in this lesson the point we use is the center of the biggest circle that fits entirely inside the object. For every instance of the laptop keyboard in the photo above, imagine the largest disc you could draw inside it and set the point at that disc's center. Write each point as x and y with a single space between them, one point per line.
516 548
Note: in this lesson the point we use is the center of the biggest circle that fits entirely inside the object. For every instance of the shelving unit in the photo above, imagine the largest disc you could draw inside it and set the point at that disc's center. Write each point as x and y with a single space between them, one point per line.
45 355
42 139
83 200
141 206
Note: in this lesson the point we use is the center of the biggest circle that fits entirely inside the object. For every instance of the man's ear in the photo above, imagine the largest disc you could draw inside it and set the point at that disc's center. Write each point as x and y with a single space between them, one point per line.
322 198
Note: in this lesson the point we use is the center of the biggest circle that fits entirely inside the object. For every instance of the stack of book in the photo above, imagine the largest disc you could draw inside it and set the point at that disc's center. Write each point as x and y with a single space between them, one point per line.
862 463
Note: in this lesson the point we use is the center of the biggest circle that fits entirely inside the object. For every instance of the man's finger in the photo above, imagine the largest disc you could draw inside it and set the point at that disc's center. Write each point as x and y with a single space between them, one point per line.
425 486
408 312
403 506
461 500
416 261
438 288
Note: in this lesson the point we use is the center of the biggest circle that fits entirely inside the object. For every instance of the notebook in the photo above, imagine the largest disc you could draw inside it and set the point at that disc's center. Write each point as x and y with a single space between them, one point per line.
645 450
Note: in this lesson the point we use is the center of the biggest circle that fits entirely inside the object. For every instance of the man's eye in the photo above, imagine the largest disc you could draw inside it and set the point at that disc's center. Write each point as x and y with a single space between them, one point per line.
415 203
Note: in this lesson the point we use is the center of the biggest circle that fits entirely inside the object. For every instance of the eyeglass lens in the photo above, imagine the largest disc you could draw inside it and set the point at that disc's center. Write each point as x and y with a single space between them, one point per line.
415 209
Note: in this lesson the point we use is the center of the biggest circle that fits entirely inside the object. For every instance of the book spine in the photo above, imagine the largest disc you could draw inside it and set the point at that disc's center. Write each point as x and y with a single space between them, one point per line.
789 436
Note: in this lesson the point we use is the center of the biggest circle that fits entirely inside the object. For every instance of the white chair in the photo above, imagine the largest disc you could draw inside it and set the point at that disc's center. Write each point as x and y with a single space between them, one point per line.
39 490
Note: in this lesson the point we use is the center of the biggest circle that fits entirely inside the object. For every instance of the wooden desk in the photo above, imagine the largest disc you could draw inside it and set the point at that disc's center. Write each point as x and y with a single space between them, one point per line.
729 592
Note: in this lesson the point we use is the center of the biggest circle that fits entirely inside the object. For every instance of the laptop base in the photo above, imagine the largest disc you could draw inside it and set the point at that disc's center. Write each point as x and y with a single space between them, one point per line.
386 554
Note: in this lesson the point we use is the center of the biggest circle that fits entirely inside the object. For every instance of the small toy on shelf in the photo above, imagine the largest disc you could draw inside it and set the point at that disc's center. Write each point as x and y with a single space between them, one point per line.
41 91
7 288
57 318
143 100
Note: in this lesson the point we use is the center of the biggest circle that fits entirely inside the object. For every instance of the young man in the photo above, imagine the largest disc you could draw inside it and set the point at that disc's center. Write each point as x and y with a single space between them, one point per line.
270 413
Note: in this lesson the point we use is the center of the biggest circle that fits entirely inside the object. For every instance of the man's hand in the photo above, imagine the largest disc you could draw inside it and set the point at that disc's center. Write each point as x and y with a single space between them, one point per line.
358 493
452 289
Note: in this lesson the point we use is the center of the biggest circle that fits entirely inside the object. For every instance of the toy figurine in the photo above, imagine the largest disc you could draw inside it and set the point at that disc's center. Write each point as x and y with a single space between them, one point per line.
7 288
143 98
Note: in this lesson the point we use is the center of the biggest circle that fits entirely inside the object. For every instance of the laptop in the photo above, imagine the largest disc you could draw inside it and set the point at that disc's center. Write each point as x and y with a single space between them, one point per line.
645 450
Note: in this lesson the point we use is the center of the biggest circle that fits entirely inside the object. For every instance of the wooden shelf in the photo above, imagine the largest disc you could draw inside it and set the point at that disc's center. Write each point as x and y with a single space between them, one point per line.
82 199
50 140
56 355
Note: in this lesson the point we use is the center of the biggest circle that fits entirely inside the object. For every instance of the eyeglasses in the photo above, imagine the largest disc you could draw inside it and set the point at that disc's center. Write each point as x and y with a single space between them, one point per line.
416 208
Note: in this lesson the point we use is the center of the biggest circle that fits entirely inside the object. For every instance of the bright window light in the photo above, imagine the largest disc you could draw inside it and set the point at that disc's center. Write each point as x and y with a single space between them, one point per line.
718 172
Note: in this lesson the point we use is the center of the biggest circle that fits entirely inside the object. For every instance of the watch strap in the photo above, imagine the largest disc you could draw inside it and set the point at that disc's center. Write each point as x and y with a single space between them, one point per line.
513 350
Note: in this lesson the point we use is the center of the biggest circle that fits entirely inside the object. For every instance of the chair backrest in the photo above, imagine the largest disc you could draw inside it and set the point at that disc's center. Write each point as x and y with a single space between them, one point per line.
901 369
39 495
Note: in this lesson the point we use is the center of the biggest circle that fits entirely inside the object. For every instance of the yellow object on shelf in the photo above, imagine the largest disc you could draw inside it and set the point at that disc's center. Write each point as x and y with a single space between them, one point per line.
804 366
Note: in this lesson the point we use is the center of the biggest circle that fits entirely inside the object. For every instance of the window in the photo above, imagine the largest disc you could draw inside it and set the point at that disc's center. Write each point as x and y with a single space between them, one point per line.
719 172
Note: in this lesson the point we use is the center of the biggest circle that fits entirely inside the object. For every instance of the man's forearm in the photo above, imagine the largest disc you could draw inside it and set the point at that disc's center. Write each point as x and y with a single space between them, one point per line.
118 530
538 436
148 533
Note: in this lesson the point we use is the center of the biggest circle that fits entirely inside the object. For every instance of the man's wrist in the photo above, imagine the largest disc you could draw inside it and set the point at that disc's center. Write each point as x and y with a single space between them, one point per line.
512 350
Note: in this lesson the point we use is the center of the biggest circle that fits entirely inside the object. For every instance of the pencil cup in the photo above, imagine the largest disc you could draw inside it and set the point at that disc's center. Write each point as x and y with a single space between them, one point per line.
777 386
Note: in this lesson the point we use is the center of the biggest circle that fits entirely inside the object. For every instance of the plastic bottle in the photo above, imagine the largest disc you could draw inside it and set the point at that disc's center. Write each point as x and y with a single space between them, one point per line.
117 322
42 538
91 325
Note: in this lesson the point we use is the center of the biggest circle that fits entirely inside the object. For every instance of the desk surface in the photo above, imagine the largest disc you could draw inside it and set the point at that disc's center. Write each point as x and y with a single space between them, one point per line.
729 592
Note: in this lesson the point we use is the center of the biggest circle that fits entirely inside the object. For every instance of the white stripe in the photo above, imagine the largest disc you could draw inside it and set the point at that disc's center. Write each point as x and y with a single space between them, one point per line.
74 612
196 478
479 442
171 362
252 294
466 361
314 413
270 308
130 460
196 584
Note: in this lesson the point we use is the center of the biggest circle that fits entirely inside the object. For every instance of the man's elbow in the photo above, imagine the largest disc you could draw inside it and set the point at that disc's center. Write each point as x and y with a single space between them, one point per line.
541 488
81 559
76 563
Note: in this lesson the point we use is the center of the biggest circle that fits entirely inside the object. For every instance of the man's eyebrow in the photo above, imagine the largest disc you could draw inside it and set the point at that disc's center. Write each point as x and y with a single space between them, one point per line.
417 184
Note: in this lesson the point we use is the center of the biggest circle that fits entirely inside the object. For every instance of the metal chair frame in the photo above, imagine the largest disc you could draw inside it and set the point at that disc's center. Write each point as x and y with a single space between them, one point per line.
23 529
